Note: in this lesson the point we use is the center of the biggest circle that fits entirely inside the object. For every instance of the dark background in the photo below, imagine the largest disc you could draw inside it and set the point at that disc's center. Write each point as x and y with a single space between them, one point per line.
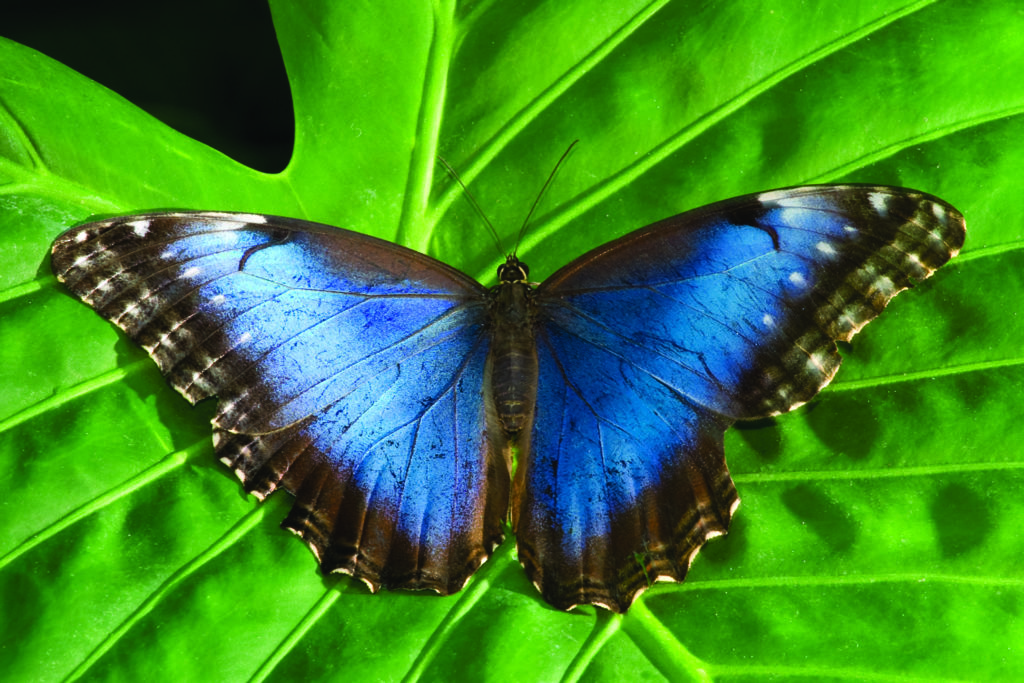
211 70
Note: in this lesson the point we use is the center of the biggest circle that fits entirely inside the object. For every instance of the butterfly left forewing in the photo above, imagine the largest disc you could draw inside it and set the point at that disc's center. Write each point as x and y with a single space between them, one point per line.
348 371
659 340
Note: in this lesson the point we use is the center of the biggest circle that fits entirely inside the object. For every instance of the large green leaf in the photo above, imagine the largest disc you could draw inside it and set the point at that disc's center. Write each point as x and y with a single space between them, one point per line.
879 532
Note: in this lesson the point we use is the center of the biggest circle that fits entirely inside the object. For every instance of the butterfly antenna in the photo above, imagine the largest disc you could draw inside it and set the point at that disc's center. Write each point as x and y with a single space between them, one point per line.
544 189
476 207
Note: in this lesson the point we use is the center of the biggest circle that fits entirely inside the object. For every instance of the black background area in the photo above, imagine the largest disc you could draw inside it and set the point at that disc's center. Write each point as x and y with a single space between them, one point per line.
212 70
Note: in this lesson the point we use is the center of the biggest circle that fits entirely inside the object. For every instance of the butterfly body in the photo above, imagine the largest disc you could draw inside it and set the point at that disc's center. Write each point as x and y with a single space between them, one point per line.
513 360
386 390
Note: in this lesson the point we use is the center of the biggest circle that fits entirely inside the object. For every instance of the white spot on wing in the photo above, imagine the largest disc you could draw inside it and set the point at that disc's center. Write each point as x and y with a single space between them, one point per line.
82 236
141 228
936 237
191 272
770 197
884 285
815 362
175 324
789 215
797 279
825 248
879 203
245 338
241 218
939 211
790 197
768 320
218 300
850 229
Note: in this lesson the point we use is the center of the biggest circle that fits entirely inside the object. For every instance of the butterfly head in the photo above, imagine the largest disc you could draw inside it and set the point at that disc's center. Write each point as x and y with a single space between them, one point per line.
513 270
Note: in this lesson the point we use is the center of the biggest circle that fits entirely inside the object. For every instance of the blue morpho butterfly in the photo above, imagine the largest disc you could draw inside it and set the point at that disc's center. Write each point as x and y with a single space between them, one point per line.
386 390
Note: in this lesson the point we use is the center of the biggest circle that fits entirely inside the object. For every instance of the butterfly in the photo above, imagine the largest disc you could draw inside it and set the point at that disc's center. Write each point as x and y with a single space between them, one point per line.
388 391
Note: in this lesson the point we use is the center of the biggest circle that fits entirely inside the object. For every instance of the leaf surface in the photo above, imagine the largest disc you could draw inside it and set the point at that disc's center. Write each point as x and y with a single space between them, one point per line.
878 537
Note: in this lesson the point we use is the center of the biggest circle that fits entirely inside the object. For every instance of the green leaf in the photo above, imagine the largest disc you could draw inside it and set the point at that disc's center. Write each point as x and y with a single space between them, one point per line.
878 536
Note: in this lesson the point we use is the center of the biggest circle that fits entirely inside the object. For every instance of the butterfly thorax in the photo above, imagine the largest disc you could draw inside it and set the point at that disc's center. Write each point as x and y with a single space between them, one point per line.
513 357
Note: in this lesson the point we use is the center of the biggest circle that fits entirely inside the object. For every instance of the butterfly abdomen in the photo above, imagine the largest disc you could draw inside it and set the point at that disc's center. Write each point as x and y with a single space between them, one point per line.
513 357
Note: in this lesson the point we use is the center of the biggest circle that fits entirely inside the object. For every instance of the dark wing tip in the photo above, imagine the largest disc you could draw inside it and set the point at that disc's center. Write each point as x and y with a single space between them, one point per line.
898 237
916 233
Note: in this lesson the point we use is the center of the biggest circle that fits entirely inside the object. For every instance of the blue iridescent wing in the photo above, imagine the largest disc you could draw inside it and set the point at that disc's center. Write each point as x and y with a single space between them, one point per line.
649 347
349 371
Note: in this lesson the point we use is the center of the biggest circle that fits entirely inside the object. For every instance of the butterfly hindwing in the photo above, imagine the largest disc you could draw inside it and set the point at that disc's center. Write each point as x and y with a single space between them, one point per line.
591 522
650 346
349 371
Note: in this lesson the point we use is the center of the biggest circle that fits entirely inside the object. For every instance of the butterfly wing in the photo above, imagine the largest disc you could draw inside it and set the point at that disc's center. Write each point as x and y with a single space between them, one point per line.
652 345
349 372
